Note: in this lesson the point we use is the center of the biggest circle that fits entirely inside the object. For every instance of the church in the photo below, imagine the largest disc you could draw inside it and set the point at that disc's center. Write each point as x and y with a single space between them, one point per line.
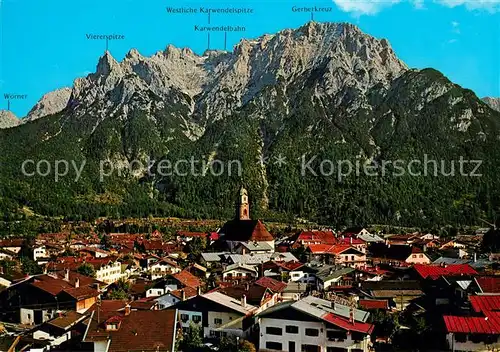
244 235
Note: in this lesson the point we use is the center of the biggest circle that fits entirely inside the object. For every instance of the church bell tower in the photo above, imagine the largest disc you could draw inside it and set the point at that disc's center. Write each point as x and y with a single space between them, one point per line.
242 206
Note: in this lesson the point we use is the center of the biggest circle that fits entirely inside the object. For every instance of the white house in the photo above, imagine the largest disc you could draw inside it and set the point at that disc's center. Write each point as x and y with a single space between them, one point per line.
218 314
108 272
162 268
173 297
313 324
39 252
239 272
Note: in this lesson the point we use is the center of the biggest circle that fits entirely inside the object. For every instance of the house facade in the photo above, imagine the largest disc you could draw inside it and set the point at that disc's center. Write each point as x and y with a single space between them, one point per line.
314 325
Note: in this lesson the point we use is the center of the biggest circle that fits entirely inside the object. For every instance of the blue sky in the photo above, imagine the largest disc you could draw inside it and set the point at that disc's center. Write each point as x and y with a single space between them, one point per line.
43 44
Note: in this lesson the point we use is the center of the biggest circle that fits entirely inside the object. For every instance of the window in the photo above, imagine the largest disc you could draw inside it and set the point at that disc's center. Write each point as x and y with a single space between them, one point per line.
312 332
291 329
310 348
184 318
274 346
336 349
420 255
352 257
413 255
217 321
461 337
274 331
336 335
196 319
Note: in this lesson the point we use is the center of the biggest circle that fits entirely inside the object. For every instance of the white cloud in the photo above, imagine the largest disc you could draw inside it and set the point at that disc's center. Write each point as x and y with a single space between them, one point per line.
419 4
364 7
371 7
492 5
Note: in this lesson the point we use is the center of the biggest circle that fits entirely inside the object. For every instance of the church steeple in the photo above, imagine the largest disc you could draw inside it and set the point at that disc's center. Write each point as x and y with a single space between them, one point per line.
242 206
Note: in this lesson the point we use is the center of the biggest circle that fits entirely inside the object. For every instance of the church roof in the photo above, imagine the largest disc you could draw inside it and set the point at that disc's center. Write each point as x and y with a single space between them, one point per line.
245 230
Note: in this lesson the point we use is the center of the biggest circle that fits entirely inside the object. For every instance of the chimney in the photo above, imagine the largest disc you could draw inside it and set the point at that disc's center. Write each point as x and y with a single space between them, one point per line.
66 275
183 295
351 239
198 290
351 315
475 257
127 309
244 301
77 282
247 287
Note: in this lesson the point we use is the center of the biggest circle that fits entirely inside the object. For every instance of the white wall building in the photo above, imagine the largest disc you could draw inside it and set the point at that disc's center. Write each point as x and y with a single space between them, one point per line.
109 273
314 325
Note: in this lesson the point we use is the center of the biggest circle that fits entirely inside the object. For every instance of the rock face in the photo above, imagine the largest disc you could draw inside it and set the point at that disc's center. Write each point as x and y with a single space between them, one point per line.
212 86
8 119
494 103
325 93
51 103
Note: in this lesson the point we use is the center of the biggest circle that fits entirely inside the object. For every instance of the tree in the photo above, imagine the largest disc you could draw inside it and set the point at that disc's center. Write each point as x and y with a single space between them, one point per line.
118 295
86 269
192 340
231 344
30 267
195 247
246 346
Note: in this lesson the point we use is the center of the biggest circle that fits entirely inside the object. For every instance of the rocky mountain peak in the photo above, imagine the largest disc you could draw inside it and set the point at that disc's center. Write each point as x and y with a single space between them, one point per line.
493 103
8 119
213 84
106 63
51 103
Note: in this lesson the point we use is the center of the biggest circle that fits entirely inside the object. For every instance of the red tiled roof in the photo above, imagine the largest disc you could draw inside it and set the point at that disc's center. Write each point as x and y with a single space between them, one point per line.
485 304
374 304
347 325
115 319
189 291
488 284
191 234
14 242
272 284
291 265
307 237
471 325
319 248
142 330
327 249
187 279
109 306
436 271
50 284
82 292
142 305
351 240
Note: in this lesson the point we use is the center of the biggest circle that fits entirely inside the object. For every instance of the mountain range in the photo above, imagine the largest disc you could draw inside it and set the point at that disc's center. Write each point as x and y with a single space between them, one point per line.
324 91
